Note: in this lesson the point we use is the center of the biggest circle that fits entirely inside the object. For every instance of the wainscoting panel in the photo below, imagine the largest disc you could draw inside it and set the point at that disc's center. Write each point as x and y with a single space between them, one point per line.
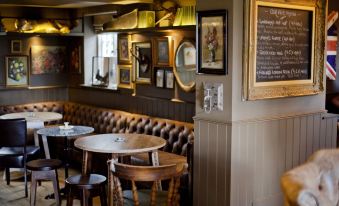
240 163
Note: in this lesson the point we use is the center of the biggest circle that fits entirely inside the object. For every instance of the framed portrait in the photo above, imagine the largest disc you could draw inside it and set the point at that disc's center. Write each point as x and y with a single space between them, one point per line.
290 62
162 52
75 59
159 78
17 71
142 62
124 47
48 59
16 46
212 42
125 76
169 79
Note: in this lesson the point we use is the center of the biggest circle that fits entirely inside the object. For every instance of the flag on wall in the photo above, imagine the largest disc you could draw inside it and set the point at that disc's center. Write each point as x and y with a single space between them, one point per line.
332 38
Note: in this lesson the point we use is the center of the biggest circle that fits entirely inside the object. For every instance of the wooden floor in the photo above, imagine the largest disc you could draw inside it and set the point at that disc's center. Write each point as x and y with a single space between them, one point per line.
14 194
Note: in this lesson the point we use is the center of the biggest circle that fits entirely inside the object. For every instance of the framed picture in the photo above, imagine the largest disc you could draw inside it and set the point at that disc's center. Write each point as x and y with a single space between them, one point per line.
212 42
75 60
17 71
48 59
169 79
16 46
290 62
142 62
124 47
125 76
162 52
159 78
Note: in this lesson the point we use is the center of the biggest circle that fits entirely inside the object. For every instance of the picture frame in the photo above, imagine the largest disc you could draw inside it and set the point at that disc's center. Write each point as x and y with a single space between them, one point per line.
142 62
17 70
48 59
212 42
302 71
124 47
125 76
16 46
162 52
169 77
159 76
76 59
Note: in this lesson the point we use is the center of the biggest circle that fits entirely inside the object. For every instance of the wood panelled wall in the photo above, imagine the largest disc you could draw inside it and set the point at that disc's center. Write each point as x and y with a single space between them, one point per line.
21 96
155 107
252 156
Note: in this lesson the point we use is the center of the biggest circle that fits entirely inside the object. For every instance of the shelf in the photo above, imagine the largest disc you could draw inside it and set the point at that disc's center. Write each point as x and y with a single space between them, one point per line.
39 34
153 29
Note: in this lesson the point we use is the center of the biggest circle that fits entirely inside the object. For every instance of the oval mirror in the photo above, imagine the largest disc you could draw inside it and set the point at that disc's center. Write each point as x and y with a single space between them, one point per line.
185 65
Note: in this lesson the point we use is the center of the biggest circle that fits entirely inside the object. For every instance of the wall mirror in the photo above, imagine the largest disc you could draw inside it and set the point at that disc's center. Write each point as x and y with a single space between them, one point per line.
185 65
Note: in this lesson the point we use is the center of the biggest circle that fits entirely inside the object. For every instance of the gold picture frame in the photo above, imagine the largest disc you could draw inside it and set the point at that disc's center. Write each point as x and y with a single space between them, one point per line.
125 76
16 46
17 71
266 73
124 48
162 51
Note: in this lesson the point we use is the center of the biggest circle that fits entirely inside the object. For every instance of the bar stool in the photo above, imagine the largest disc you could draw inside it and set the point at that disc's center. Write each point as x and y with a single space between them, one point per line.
44 169
90 185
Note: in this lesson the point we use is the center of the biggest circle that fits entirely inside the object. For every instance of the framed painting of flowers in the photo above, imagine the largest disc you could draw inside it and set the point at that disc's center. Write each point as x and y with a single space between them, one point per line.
16 71
212 42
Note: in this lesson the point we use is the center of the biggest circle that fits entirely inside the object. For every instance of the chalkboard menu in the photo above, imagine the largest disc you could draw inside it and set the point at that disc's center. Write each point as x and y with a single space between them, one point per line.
284 44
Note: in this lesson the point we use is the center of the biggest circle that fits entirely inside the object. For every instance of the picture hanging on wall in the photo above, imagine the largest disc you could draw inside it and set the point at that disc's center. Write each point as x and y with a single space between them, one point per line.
142 62
212 42
125 76
75 60
162 52
48 59
16 46
159 76
16 71
169 79
124 48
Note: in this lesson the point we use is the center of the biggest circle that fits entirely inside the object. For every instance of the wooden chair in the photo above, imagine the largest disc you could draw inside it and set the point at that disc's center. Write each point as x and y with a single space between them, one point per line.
147 174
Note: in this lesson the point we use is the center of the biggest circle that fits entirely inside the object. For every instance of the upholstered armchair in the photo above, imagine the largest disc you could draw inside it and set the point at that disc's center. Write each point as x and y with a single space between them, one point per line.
315 183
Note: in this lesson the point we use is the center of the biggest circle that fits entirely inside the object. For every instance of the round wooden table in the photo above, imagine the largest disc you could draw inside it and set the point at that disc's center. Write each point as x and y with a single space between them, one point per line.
118 145
34 116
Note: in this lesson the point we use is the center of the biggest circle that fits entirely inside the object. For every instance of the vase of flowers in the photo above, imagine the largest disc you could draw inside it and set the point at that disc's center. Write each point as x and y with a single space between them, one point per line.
212 43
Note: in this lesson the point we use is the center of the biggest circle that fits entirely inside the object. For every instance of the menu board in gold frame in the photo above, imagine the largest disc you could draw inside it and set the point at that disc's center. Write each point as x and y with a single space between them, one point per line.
283 51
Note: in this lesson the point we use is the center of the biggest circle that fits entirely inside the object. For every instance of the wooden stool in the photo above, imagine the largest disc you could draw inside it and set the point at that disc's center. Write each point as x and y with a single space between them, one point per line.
89 185
44 169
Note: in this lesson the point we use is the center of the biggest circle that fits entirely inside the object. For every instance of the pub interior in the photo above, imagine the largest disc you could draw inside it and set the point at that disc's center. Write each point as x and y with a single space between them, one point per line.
169 102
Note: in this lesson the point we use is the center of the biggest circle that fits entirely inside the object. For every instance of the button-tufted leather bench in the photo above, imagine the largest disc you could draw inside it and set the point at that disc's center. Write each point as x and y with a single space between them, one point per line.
177 134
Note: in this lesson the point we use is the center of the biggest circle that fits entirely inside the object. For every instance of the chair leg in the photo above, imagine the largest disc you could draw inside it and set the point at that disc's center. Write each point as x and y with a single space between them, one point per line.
70 197
8 176
26 185
103 197
33 189
85 197
56 188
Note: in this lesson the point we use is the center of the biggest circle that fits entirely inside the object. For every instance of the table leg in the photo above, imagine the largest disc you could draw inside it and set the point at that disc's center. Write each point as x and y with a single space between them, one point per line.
86 162
155 162
67 150
111 192
46 148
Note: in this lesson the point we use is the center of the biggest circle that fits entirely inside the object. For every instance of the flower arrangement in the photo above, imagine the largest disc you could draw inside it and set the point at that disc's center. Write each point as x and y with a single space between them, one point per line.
16 69
212 42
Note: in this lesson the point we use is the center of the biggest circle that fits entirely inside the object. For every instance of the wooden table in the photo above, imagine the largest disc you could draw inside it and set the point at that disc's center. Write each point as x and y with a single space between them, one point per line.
118 145
34 116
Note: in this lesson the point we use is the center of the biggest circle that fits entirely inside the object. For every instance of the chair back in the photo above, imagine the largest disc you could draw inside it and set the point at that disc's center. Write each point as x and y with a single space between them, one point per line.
149 174
13 132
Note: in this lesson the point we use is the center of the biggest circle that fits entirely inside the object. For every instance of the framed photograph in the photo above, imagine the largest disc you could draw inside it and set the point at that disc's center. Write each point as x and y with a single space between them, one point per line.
75 60
124 47
212 42
142 62
17 71
16 46
125 76
48 59
159 78
290 62
162 52
169 79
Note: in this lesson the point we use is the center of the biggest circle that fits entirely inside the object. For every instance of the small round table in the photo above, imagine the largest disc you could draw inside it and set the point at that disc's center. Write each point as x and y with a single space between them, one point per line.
118 145
34 116
64 133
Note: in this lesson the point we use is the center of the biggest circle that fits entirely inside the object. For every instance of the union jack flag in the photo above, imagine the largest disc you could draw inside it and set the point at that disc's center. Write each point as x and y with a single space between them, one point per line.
332 38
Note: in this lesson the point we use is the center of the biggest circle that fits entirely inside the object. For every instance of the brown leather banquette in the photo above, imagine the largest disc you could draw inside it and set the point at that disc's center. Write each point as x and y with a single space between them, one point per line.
177 134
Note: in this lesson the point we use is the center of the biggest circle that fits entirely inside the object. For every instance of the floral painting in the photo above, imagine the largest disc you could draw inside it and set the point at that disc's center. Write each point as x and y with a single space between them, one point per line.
76 59
16 71
48 59
212 34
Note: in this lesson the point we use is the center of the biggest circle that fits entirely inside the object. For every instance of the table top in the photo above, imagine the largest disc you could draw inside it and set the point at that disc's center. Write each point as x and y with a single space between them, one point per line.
120 143
57 132
34 116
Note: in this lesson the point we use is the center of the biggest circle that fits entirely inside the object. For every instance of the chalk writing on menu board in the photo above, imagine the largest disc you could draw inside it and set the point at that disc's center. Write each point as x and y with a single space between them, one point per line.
284 44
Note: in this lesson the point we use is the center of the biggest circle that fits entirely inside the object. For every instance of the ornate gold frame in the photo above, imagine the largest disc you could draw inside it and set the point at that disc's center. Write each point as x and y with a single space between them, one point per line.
253 90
